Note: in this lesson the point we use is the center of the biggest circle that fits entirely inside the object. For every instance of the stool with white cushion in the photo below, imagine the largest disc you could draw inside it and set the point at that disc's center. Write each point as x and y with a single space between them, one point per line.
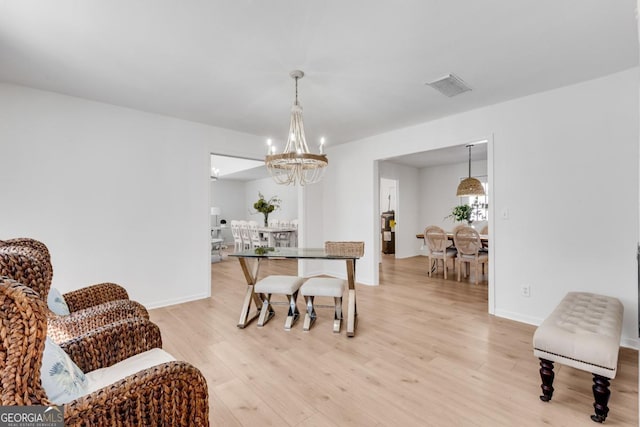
282 285
582 332
323 287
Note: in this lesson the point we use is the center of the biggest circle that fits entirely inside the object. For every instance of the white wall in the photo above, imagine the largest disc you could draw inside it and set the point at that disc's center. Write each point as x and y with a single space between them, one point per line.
117 194
288 194
229 196
568 151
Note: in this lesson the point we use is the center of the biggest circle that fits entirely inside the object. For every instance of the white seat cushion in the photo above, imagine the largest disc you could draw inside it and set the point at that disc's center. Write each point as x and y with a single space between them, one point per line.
450 252
582 332
323 287
285 285
105 376
482 257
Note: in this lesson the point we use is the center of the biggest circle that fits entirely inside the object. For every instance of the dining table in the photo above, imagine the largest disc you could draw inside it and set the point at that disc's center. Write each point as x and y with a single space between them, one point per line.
272 232
484 238
250 260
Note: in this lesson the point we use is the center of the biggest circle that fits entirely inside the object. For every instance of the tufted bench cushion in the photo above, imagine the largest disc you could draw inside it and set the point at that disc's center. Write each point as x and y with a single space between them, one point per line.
582 332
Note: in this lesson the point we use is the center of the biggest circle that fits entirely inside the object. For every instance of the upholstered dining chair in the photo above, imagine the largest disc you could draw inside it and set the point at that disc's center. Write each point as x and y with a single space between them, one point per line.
468 244
114 375
439 249
82 315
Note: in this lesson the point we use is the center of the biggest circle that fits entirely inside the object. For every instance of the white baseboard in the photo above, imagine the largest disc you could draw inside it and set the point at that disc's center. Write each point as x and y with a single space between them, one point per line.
519 317
166 303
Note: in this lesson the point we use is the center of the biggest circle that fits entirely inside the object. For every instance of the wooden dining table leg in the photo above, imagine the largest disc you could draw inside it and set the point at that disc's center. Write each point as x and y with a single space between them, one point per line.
352 308
251 276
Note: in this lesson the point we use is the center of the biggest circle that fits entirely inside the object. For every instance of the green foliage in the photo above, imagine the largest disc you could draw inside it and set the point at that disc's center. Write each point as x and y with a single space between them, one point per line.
461 213
267 206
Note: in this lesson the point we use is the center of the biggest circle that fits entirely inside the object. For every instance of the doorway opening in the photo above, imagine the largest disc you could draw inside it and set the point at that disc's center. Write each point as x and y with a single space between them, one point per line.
388 215
426 185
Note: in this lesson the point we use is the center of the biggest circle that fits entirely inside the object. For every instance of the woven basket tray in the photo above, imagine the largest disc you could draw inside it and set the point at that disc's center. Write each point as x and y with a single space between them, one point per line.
344 248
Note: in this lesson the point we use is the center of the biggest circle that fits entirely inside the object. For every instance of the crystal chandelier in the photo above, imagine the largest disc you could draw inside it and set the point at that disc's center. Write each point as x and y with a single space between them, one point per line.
296 165
470 186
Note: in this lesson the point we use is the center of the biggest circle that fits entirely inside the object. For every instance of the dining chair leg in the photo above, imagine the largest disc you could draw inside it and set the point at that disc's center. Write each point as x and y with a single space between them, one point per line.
444 264
430 265
476 270
459 268
310 316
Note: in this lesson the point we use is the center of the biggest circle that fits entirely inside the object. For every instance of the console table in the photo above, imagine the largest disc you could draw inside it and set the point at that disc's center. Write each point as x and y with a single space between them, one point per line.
251 269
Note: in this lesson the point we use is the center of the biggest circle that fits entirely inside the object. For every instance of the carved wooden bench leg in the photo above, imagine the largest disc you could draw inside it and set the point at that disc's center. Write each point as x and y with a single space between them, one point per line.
601 395
547 375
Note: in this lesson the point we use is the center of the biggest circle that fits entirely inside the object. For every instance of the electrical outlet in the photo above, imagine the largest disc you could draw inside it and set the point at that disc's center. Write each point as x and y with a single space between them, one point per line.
505 213
525 290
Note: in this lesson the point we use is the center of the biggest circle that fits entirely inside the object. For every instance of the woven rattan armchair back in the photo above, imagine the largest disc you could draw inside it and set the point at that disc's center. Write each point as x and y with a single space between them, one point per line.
436 238
467 241
23 329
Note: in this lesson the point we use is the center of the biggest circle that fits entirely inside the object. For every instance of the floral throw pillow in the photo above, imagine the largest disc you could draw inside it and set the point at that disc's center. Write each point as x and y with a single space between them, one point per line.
62 380
56 303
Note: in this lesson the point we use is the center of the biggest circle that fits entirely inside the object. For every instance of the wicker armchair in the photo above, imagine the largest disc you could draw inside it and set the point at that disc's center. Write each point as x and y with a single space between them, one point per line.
170 394
78 299
29 269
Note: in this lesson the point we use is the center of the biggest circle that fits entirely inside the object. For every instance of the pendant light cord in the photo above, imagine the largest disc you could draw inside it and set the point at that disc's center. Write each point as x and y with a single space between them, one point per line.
470 161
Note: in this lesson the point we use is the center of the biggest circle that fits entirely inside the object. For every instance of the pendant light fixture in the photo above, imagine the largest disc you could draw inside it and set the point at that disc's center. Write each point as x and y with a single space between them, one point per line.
296 164
470 186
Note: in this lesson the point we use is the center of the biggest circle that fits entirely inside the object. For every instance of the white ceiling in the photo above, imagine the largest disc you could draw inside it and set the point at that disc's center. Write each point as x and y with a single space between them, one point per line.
227 62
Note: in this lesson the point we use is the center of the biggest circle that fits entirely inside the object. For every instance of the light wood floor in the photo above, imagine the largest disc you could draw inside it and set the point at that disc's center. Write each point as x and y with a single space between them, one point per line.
426 353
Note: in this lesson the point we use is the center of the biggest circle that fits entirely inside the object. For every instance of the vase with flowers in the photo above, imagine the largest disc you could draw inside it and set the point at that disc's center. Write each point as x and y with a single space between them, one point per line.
461 213
265 206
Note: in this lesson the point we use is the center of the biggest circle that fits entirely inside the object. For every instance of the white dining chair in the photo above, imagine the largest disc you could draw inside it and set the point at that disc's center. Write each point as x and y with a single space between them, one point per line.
254 236
245 235
237 238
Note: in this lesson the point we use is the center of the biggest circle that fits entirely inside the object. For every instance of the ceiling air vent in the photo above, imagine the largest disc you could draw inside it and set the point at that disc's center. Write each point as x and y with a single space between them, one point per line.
449 85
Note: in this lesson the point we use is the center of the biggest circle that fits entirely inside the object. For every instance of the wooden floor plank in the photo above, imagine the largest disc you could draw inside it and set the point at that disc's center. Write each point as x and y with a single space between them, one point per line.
426 353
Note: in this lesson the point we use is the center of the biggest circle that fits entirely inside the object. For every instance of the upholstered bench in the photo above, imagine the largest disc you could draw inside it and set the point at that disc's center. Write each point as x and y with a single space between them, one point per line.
323 287
281 285
582 332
